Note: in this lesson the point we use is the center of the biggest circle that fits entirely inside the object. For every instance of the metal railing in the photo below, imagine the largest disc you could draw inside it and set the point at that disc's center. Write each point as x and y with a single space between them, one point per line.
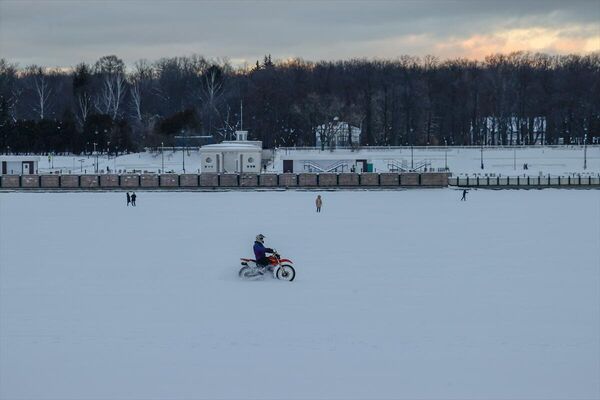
524 181
438 148
314 167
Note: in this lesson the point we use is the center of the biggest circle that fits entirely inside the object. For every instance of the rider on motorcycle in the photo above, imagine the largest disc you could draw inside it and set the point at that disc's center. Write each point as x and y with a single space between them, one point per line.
260 252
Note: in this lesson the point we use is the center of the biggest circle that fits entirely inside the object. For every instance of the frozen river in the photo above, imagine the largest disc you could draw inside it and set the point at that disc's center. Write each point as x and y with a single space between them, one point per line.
399 294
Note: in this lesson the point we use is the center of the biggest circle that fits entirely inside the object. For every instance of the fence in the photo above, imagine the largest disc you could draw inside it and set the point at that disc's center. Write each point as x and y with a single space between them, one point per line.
525 181
213 181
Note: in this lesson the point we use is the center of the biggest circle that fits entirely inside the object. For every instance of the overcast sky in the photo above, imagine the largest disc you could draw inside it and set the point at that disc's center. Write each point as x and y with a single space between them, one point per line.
63 33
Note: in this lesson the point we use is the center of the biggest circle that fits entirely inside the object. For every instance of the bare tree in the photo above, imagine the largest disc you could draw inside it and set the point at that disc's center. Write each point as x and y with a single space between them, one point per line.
211 90
113 85
140 84
109 100
10 91
39 85
327 110
82 92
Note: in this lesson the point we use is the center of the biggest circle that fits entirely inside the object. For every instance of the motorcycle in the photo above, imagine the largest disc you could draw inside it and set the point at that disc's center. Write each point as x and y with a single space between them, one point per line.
281 268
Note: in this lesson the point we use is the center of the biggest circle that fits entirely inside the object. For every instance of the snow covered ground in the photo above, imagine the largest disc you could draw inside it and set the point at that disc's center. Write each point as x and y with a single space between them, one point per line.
507 161
562 161
399 294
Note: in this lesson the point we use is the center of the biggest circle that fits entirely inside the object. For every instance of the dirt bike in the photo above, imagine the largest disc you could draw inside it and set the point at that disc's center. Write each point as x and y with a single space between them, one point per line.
281 268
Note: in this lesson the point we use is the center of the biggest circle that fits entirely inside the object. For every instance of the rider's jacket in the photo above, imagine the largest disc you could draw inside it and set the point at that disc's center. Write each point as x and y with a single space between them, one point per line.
260 250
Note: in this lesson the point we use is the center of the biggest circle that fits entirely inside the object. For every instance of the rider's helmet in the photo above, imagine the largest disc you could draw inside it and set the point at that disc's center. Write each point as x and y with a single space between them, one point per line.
260 238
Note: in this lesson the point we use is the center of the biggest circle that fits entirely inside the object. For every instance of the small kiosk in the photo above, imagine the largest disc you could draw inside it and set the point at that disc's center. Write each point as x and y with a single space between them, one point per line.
18 165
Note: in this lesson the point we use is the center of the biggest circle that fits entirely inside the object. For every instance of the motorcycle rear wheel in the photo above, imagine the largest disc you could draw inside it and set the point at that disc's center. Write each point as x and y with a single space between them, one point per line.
249 273
286 273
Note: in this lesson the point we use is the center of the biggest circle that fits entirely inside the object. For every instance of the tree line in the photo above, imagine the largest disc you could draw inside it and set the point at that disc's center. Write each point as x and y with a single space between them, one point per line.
405 101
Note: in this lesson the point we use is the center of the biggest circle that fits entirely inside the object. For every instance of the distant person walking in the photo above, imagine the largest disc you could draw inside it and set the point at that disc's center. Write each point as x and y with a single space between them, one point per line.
464 196
133 197
319 203
128 199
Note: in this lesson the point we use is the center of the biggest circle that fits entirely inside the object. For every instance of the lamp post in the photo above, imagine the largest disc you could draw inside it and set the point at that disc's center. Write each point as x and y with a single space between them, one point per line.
162 155
411 157
481 155
115 159
585 151
96 154
105 137
445 155
183 152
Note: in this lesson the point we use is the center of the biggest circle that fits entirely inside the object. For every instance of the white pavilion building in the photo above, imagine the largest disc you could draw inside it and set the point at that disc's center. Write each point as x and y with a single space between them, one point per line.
235 156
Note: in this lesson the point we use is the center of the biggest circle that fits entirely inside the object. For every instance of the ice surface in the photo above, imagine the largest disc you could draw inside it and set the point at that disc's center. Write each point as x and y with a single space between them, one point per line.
399 294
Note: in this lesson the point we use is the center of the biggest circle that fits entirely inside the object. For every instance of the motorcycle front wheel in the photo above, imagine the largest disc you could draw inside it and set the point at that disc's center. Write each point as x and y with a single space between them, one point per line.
286 273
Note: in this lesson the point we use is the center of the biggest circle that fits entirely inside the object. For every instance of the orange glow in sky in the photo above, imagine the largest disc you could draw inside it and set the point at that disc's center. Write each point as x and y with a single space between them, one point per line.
536 39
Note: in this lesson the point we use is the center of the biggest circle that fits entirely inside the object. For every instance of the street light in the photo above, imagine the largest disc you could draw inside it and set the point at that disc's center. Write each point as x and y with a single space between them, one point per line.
445 155
96 154
183 152
585 151
411 157
481 155
162 155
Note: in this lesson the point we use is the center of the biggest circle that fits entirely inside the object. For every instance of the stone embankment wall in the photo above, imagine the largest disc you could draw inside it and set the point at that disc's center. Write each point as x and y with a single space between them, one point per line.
226 181
209 181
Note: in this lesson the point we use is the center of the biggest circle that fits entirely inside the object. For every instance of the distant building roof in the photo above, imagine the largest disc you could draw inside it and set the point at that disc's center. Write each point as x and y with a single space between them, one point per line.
20 158
232 146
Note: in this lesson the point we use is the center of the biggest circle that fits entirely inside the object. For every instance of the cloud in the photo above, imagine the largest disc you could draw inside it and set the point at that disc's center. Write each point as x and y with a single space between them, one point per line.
63 33
566 40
